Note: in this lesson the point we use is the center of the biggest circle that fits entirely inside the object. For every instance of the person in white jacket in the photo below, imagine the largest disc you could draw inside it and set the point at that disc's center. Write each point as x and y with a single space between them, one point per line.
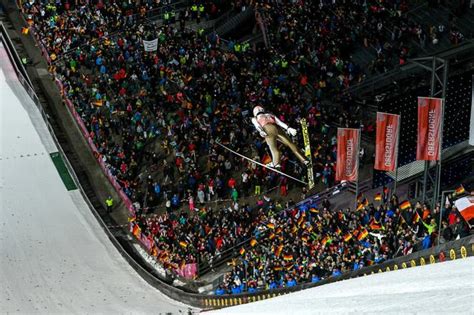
272 129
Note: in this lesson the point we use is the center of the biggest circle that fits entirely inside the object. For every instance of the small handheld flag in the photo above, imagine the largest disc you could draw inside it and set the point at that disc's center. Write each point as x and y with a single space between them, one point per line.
460 190
405 205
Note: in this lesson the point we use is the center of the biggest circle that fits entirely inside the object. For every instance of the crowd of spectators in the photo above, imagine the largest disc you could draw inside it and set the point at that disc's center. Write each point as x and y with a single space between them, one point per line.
321 36
181 238
155 117
161 112
310 243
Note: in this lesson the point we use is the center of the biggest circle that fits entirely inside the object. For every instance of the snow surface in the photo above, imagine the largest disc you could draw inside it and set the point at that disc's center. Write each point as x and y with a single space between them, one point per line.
54 256
443 288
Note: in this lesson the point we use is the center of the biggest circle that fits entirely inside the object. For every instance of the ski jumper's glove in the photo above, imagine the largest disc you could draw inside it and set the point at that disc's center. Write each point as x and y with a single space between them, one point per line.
259 128
291 131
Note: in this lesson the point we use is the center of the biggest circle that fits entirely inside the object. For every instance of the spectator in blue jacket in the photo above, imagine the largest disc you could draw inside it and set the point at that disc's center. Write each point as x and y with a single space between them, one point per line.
220 291
272 285
426 241
252 289
175 202
236 289
291 282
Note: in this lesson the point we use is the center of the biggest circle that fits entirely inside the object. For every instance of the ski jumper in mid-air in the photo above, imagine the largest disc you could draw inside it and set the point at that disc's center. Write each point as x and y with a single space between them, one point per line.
272 129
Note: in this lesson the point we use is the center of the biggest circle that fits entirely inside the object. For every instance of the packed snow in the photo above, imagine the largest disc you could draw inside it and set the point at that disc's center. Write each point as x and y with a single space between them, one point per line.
443 288
55 257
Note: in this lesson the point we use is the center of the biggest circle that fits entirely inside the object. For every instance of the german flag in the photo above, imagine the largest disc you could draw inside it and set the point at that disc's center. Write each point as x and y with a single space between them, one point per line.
253 242
25 30
347 237
242 251
309 228
278 230
163 255
405 205
325 240
416 217
183 244
266 159
287 257
365 202
375 225
338 231
460 190
314 210
272 236
171 265
294 229
360 206
356 231
363 234
304 238
278 268
359 197
378 197
278 250
271 226
136 230
300 220
98 103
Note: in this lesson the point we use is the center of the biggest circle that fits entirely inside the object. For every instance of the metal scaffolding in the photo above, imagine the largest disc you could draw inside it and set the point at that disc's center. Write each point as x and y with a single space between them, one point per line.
438 68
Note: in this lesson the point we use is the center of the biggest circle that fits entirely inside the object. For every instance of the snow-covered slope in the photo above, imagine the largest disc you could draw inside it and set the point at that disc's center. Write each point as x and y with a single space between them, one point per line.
54 256
443 288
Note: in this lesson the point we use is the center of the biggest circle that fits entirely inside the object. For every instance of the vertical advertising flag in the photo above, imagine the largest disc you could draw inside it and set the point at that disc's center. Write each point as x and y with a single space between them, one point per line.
347 165
386 142
429 128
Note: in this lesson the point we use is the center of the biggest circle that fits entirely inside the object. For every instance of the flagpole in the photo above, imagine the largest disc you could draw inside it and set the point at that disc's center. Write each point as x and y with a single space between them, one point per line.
358 162
394 192
441 208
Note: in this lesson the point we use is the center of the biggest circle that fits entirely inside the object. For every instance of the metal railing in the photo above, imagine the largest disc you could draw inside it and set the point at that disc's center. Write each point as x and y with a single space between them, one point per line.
16 60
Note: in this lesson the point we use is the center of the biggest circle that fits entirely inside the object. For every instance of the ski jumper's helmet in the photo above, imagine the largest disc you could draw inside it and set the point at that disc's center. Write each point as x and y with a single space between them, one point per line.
258 110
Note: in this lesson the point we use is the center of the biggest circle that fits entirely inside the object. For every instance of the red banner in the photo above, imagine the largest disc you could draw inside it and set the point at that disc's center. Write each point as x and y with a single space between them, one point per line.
429 128
386 142
347 166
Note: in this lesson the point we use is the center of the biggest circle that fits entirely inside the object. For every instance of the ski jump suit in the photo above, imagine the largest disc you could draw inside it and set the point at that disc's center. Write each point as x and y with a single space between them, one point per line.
274 129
